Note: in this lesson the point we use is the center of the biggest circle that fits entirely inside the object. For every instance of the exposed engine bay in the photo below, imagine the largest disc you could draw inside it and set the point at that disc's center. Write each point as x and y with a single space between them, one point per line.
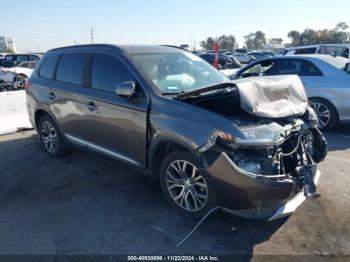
279 139
295 155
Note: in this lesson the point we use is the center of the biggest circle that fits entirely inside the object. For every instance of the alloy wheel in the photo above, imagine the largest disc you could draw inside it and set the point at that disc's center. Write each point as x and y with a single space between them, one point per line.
49 136
323 114
187 187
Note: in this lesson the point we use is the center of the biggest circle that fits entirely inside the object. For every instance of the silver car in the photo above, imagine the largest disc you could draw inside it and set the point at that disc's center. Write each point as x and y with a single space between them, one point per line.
326 80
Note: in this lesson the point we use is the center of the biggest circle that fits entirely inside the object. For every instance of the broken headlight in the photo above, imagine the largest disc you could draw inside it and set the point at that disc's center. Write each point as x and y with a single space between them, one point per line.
260 135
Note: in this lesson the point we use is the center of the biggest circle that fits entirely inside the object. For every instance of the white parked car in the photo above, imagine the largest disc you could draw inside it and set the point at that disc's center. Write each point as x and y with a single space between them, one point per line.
243 58
22 70
323 49
326 80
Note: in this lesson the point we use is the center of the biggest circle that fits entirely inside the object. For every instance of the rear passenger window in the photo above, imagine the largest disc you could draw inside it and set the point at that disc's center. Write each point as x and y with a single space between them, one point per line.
296 67
108 72
48 68
70 69
306 51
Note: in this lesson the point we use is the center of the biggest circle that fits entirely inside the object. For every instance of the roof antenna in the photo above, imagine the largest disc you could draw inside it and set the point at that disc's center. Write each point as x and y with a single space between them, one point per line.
75 42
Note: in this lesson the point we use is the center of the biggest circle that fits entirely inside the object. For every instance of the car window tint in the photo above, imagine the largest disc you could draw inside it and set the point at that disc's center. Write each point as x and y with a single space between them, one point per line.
288 67
261 69
306 51
108 72
335 50
9 61
48 67
70 69
309 69
295 67
32 58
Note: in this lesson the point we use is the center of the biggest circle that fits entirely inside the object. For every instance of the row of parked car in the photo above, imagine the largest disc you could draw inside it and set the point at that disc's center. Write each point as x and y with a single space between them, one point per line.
15 69
324 70
233 59
326 77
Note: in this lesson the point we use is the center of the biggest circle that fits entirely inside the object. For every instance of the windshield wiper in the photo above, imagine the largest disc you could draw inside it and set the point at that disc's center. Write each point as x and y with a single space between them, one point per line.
172 94
205 89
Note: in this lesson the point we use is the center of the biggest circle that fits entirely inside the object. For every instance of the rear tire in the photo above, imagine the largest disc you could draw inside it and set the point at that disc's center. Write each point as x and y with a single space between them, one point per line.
326 113
51 138
187 190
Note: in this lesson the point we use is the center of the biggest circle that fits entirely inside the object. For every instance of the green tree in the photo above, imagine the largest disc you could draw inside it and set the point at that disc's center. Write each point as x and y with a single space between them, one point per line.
9 50
295 37
255 40
276 41
207 44
225 42
337 35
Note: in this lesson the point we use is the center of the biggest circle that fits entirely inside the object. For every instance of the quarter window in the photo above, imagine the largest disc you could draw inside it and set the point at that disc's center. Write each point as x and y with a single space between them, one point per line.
70 69
47 70
108 72
296 67
306 51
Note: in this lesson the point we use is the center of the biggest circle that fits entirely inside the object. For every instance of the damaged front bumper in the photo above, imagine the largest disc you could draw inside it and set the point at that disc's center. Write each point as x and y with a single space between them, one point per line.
251 195
291 205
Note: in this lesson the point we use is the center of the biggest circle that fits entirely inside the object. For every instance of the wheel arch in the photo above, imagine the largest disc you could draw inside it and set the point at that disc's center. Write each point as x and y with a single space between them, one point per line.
160 149
41 112
328 101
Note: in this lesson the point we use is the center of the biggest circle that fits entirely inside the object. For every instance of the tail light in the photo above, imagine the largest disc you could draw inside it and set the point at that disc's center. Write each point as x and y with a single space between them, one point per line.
27 85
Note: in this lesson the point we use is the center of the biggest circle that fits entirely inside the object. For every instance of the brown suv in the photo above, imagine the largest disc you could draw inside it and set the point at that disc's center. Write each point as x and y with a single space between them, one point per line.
171 114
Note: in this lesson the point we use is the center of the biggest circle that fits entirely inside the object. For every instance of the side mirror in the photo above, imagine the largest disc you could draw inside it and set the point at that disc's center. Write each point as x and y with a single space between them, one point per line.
126 89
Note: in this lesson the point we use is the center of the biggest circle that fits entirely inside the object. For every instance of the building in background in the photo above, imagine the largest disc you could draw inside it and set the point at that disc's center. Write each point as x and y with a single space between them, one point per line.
7 43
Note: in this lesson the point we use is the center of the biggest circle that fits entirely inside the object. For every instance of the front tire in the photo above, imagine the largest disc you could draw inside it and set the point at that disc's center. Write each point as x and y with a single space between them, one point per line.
51 138
326 113
186 189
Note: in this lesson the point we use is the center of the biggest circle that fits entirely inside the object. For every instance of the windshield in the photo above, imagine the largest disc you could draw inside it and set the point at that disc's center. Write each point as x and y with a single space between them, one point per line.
178 72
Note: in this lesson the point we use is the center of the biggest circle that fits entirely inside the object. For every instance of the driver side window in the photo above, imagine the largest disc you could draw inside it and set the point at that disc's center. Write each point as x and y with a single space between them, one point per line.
259 69
107 73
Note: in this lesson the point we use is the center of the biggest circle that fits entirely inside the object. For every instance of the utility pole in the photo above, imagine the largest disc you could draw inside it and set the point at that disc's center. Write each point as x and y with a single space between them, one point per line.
92 35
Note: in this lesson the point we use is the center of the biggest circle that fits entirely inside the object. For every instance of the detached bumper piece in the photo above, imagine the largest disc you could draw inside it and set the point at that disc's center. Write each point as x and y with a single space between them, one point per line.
290 206
307 174
260 196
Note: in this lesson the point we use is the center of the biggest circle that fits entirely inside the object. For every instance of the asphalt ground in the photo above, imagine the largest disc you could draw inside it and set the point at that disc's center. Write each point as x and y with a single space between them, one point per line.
87 204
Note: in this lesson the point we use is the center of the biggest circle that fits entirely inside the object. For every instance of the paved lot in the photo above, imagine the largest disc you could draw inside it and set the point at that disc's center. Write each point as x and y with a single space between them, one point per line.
85 204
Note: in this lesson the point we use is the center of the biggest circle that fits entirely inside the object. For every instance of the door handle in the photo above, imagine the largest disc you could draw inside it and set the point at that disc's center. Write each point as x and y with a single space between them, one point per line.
52 96
91 106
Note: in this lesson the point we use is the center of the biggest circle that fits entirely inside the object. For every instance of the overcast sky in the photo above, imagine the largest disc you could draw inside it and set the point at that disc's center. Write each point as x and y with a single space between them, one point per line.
40 24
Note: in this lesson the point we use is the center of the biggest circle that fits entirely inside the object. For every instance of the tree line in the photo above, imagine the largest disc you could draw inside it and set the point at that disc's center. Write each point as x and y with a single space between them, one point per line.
258 40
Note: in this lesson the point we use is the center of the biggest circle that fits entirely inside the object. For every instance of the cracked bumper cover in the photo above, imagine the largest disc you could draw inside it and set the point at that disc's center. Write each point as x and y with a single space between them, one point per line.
239 190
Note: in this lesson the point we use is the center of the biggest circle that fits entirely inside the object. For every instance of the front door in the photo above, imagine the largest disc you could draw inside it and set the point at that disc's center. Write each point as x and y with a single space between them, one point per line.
113 124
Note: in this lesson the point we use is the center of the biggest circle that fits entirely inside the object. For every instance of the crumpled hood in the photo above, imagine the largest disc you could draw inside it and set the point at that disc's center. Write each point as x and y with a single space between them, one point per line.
272 96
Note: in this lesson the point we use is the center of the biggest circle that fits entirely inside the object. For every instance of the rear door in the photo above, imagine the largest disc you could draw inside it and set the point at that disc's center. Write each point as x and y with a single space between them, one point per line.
66 93
113 124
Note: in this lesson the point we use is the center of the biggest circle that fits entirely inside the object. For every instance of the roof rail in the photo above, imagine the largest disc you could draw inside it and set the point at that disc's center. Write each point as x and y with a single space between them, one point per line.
86 45
174 46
